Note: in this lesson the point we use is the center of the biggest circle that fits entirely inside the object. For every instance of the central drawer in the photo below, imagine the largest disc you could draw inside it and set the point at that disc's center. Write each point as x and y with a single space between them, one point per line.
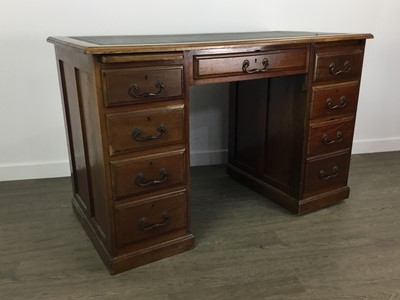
147 174
290 61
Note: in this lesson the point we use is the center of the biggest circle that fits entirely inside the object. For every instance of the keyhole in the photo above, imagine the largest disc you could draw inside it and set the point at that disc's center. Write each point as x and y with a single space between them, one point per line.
255 61
148 118
145 77
150 163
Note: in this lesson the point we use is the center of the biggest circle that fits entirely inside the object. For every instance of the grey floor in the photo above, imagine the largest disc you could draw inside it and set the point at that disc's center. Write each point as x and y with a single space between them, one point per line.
246 246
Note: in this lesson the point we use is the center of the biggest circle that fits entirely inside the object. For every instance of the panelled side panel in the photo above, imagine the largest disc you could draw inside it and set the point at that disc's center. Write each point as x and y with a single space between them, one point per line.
89 108
284 134
251 113
267 131
84 136
267 120
76 139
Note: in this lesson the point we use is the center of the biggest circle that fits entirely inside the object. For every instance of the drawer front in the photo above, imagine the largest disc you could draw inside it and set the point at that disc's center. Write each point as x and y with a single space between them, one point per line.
293 61
137 222
324 174
147 128
338 65
334 99
123 86
149 173
325 137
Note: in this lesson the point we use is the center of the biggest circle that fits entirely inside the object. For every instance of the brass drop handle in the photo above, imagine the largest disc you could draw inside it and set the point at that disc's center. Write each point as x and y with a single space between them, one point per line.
327 141
246 65
134 89
147 227
342 103
137 134
333 70
139 180
335 172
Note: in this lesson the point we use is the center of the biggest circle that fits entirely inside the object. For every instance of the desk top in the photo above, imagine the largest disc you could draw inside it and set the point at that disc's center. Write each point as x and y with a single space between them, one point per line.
181 42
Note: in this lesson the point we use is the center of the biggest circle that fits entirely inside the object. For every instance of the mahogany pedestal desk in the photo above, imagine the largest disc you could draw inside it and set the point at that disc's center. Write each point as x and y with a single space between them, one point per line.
293 100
